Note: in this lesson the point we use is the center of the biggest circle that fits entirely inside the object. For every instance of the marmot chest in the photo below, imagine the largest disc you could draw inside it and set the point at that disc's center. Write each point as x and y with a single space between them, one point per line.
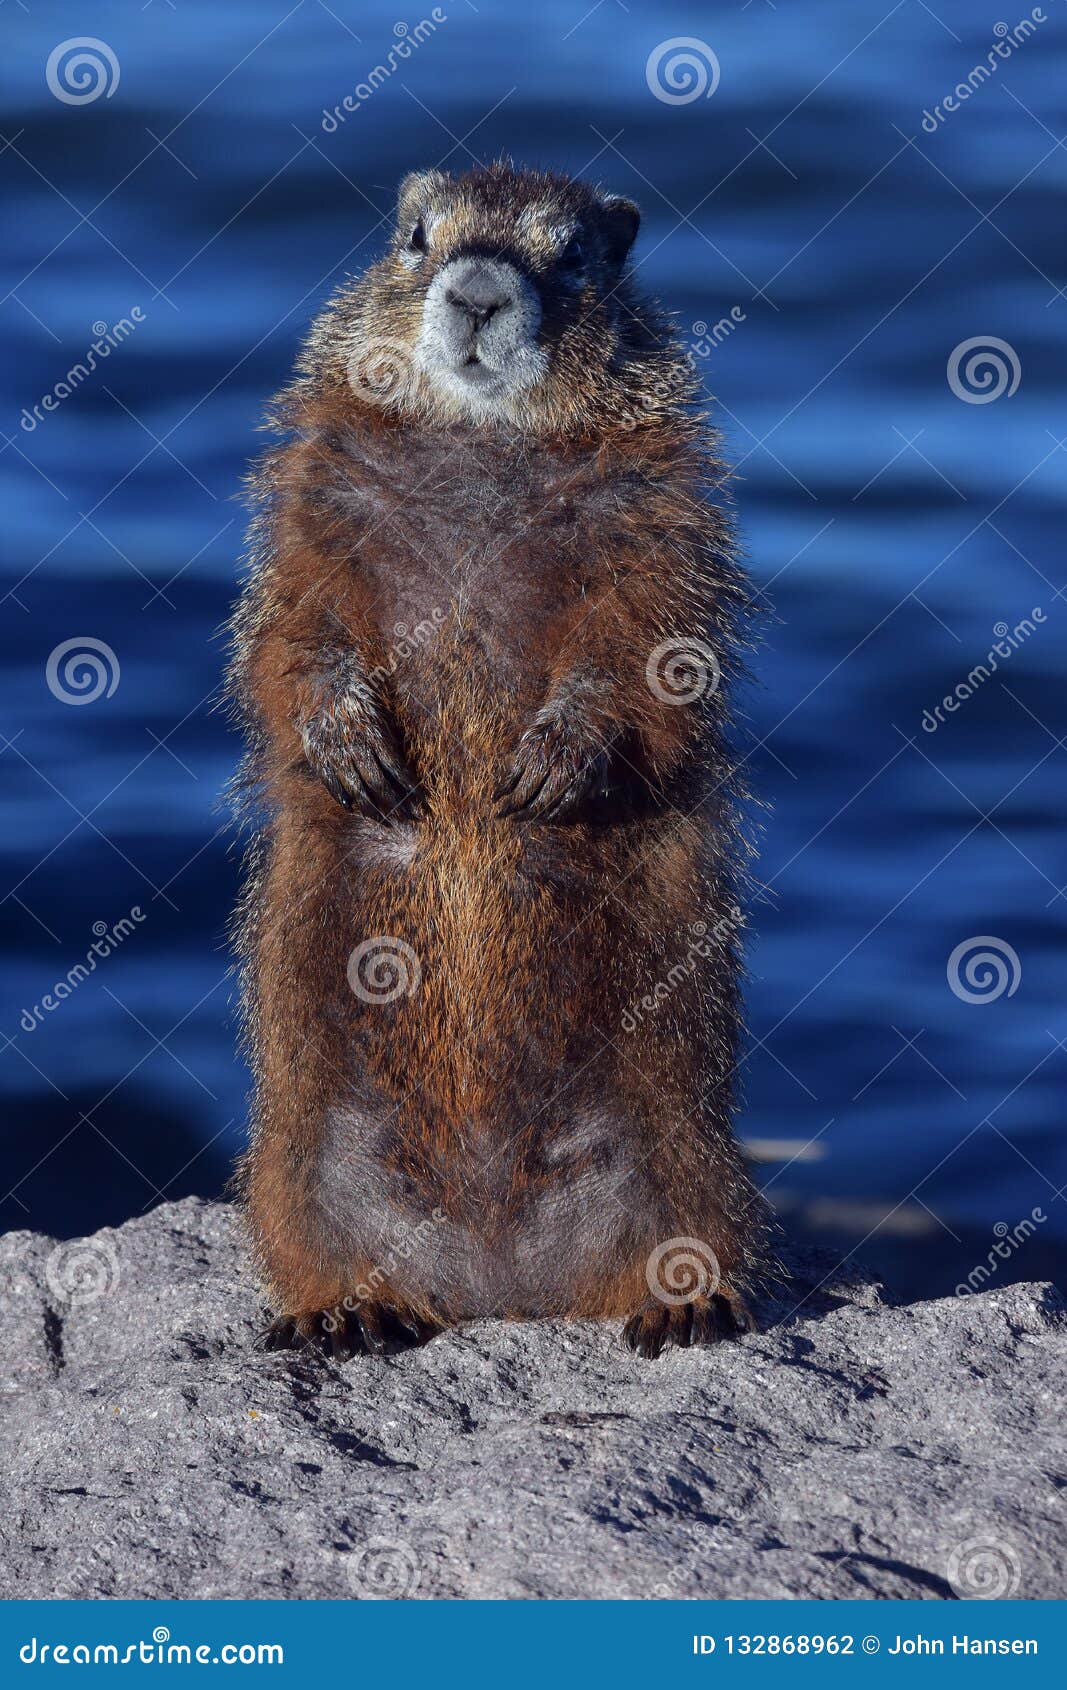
499 545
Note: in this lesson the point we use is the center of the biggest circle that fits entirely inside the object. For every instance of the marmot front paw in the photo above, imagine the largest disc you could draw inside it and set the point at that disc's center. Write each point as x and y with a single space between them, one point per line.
555 766
706 1320
369 1329
356 755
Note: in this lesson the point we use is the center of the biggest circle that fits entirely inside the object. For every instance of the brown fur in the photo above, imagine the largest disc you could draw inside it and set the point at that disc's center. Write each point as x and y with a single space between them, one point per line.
499 1118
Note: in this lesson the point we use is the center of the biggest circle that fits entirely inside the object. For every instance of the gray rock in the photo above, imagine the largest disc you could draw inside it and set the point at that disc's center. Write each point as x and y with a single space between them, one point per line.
852 1448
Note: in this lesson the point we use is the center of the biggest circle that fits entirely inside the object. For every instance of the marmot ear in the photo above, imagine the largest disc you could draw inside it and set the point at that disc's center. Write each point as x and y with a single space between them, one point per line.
620 221
416 189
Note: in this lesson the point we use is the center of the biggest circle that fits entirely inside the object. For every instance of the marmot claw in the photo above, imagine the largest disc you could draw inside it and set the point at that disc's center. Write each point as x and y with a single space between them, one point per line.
356 757
706 1320
369 1329
554 768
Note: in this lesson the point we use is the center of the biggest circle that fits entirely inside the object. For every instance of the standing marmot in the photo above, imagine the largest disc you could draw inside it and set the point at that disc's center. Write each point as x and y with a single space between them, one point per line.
490 931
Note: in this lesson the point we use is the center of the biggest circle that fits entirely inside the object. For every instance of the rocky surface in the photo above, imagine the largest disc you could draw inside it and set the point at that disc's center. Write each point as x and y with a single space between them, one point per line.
852 1448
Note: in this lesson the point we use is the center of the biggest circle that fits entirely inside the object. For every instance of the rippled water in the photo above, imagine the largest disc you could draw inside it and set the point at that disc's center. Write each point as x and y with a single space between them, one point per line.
892 523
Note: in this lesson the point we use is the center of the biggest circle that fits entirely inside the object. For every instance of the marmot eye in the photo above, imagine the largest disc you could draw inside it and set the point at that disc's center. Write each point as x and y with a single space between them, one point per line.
417 243
574 256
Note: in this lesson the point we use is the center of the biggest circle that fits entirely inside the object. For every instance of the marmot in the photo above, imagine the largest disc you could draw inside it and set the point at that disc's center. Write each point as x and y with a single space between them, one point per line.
490 928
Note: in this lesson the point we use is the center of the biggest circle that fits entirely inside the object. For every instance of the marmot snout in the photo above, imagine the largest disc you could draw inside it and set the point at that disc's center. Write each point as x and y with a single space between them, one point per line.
491 928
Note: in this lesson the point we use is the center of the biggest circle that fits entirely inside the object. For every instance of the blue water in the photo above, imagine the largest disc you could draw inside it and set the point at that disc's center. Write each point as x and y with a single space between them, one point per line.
891 523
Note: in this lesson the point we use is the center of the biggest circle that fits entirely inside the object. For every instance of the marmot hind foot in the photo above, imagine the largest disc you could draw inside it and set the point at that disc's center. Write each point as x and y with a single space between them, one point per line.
369 1329
654 1326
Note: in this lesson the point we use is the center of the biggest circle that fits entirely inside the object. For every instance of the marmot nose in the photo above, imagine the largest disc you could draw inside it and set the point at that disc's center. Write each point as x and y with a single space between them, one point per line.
478 303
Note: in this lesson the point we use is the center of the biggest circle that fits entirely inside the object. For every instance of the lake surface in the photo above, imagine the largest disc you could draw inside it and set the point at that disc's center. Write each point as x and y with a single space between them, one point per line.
897 517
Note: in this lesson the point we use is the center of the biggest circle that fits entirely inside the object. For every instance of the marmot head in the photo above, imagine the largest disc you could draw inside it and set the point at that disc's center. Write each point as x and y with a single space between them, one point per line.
504 300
